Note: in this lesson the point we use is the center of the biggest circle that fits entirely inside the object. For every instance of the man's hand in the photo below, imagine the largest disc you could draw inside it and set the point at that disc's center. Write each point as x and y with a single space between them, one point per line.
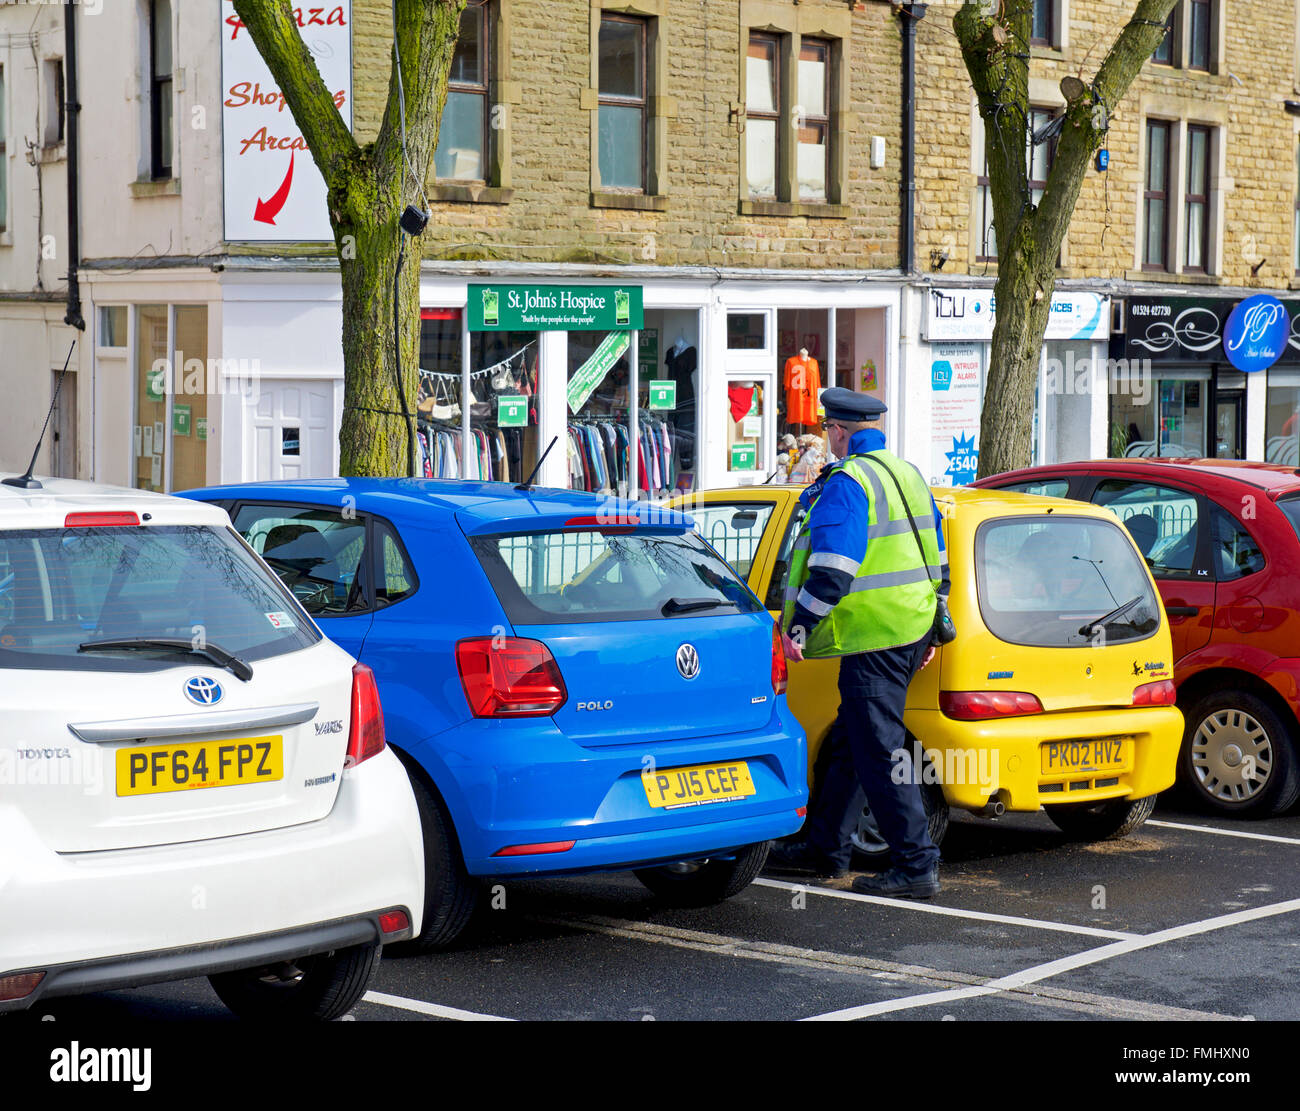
929 655
792 650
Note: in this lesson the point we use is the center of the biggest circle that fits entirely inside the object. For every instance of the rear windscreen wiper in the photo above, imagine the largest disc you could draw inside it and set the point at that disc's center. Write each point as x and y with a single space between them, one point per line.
685 605
218 656
1106 618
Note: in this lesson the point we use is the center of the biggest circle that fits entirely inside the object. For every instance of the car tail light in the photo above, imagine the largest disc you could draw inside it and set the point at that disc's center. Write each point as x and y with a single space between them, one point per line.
1163 693
367 735
539 848
780 669
509 677
978 705
99 520
20 986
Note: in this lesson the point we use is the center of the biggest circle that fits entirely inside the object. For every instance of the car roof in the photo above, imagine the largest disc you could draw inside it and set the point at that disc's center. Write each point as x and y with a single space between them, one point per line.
48 506
1273 477
990 501
479 506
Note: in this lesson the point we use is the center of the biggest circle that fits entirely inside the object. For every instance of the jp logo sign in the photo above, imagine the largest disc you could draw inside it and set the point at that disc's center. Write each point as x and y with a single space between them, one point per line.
1256 333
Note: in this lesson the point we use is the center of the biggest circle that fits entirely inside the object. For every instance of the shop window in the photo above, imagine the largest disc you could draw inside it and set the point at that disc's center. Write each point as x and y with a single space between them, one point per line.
1038 164
1282 418
464 133
747 331
4 157
112 326
1158 417
172 383
161 107
499 396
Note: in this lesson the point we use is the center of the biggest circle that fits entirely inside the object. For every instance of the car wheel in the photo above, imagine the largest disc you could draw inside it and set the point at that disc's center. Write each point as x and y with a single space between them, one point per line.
701 883
1101 821
867 840
449 893
1238 756
316 988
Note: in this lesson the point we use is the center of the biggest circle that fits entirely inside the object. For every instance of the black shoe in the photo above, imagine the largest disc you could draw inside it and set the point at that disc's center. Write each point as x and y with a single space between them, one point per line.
899 884
801 858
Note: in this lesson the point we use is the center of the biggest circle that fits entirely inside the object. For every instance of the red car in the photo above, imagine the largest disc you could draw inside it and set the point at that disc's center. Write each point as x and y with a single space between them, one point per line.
1222 539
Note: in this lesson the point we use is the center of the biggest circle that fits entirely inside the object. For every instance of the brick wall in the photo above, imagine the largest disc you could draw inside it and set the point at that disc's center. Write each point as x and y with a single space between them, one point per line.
1257 216
550 217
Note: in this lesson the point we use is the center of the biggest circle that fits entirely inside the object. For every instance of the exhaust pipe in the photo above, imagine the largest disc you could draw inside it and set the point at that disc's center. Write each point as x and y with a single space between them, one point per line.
994 808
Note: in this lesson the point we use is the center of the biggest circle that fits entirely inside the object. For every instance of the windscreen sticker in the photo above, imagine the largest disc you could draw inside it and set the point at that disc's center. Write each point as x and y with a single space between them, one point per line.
281 620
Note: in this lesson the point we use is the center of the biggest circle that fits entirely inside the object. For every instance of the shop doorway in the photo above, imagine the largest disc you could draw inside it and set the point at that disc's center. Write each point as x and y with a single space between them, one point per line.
1230 424
751 427
290 430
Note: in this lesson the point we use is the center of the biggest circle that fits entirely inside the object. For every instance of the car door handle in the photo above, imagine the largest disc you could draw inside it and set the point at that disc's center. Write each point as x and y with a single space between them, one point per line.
189 725
1182 611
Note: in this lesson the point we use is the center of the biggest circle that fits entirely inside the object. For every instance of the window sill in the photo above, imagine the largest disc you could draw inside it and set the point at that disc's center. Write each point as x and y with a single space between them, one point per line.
791 208
637 202
449 193
1176 279
167 187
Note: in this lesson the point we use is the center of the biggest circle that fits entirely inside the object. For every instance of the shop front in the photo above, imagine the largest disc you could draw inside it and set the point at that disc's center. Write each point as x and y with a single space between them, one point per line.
1069 402
644 390
1206 377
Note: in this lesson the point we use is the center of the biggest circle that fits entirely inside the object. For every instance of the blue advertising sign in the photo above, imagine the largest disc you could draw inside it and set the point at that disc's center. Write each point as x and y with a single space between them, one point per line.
1256 333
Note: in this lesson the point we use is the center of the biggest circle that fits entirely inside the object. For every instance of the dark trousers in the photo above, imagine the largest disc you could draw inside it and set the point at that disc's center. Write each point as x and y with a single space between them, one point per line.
867 733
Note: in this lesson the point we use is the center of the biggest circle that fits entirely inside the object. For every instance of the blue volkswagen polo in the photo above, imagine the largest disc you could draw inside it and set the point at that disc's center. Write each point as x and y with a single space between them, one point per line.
575 684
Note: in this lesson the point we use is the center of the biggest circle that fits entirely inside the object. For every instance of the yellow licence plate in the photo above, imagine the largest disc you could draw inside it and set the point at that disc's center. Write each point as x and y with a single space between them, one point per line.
1097 754
189 767
701 783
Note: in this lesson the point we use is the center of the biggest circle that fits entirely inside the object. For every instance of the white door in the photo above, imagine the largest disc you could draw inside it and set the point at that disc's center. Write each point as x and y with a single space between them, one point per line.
291 430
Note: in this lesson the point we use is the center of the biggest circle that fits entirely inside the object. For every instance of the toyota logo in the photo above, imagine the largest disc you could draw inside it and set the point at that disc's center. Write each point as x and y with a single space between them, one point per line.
688 661
204 691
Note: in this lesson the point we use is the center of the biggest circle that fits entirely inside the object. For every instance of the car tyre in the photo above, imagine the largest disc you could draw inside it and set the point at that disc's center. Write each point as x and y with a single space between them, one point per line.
1221 729
1101 821
318 988
449 893
701 883
867 840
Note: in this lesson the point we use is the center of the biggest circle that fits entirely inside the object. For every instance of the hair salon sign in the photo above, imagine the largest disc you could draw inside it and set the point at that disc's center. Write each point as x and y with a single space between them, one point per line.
1252 334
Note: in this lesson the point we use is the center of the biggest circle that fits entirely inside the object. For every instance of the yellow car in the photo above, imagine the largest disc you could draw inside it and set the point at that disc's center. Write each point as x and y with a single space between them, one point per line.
1058 691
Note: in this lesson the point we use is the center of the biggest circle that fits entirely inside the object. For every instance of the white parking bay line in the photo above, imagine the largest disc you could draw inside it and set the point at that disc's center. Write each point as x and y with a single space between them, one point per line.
434 1009
1228 832
1046 971
950 912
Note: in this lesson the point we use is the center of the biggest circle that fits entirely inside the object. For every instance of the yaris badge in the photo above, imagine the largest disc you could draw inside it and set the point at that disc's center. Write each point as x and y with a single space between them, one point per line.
204 691
688 661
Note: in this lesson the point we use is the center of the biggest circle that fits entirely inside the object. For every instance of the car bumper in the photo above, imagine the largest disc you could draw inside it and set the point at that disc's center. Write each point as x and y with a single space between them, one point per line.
511 787
113 918
978 760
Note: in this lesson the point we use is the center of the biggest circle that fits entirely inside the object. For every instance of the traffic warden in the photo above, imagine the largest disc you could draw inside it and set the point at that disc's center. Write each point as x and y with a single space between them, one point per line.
864 577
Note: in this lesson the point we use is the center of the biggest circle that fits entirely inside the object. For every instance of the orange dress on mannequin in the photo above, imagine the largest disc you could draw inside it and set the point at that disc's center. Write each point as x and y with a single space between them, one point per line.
803 381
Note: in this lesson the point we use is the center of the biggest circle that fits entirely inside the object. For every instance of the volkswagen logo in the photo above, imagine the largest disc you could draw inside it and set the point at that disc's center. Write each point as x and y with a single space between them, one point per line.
206 692
688 661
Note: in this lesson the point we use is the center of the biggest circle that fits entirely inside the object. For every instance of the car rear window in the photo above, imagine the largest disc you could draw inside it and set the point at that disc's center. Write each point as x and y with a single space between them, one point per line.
582 576
1042 580
62 588
1291 507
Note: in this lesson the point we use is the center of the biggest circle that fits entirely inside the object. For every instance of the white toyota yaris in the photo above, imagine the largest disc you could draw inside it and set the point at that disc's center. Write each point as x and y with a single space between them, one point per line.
193 780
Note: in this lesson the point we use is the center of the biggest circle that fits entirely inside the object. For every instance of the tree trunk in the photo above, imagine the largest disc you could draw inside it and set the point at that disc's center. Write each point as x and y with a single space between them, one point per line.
368 188
994 42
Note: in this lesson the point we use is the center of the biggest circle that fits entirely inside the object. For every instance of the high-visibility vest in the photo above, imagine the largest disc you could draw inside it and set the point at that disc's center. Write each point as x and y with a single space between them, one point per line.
891 601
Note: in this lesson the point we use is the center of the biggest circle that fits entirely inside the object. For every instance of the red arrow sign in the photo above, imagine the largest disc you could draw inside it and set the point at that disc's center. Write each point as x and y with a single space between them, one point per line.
267 211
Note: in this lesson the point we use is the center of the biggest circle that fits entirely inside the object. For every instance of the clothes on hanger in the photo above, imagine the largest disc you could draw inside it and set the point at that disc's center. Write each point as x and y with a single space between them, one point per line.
802 385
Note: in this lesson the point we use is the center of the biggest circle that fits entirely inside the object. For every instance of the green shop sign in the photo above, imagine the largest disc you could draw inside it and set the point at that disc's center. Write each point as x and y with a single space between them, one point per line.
663 394
743 456
512 410
555 308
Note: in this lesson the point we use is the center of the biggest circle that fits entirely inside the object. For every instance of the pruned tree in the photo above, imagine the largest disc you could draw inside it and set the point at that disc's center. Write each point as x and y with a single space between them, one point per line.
994 38
369 186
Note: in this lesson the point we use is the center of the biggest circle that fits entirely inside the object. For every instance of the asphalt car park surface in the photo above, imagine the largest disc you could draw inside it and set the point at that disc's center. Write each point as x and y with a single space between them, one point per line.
1193 917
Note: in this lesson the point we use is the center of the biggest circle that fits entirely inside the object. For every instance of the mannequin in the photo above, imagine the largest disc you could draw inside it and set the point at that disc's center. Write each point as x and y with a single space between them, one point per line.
802 383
